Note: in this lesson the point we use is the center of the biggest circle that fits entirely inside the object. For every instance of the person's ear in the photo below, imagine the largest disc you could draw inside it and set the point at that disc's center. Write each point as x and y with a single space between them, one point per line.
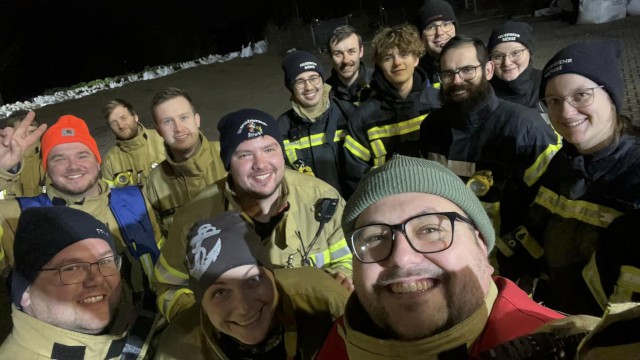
25 301
488 70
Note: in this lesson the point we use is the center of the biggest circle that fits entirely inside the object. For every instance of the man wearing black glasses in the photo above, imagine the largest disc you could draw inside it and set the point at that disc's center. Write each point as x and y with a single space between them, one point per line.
423 284
492 144
65 287
437 26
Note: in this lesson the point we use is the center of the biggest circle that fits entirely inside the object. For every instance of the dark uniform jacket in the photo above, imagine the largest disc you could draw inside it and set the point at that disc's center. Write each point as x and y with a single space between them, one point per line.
355 93
387 124
511 141
319 144
579 197
523 90
431 66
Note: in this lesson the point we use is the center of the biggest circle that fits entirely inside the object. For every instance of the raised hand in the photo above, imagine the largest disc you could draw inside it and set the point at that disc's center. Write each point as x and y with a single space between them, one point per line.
13 142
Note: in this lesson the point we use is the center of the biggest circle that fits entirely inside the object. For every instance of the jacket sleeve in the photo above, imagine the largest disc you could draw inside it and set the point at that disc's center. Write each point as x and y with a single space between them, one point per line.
357 151
107 170
336 255
171 277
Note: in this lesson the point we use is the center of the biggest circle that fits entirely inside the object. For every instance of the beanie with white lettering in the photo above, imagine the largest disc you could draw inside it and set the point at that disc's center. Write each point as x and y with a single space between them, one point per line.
512 31
297 62
219 244
597 60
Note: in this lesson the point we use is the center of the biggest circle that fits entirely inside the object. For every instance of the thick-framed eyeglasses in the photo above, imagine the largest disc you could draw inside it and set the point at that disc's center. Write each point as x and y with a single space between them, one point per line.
426 233
313 80
445 26
514 55
578 99
78 272
465 73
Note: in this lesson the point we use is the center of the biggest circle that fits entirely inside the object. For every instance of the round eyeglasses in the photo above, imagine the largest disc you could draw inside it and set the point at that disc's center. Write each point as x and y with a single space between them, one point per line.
426 233
465 73
78 272
313 80
514 55
432 29
578 99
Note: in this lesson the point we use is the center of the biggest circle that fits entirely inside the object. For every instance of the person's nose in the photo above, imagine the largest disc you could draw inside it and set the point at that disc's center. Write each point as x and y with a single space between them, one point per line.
94 277
403 255
568 110
457 78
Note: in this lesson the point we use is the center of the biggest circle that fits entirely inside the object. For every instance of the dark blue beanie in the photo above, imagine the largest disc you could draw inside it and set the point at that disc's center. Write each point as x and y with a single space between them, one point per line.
597 60
512 31
297 62
245 124
435 10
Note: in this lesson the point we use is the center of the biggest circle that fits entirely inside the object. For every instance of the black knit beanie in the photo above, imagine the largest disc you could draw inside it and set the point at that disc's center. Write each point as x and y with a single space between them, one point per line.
597 60
435 10
512 31
245 124
297 62
219 244
42 233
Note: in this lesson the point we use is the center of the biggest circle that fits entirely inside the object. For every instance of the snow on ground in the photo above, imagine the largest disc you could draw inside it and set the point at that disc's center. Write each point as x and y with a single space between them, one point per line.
117 81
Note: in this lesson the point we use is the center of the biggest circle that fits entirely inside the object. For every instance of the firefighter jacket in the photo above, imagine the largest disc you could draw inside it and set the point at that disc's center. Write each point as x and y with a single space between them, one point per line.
31 176
293 235
129 162
507 314
133 271
33 339
172 184
310 301
508 140
358 91
579 197
523 90
318 144
431 66
387 124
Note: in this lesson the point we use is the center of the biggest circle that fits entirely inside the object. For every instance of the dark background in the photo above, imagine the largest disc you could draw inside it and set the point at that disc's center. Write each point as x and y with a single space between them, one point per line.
46 44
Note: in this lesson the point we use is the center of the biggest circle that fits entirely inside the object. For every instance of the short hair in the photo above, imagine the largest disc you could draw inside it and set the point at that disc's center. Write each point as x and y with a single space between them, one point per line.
342 32
167 94
108 108
16 117
404 37
460 40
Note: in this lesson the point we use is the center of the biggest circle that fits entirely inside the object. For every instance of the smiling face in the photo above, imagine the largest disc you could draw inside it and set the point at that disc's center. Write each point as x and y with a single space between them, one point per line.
345 57
398 68
589 128
73 169
86 307
242 303
434 43
460 90
508 69
309 95
257 168
414 295
179 126
122 123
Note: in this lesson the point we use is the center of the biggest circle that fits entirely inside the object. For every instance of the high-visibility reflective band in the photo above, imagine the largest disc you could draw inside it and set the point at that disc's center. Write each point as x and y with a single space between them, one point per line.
354 147
168 275
337 255
535 171
308 141
379 152
111 183
504 246
460 168
529 243
628 283
147 265
581 210
167 301
397 129
436 85
592 279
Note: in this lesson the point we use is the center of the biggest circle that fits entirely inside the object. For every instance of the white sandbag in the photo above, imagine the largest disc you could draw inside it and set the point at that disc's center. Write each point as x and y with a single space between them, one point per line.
633 7
601 11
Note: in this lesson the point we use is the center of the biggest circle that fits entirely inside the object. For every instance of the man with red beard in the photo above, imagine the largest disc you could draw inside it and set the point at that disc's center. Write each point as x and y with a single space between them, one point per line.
192 161
65 288
296 216
71 160
423 284
492 144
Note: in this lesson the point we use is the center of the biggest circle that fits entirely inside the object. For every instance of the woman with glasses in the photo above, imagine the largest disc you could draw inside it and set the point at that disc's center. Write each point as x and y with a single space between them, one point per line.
592 180
515 79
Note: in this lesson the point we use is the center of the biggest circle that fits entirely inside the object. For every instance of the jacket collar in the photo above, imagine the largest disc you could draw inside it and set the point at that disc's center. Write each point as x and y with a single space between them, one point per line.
136 142
195 165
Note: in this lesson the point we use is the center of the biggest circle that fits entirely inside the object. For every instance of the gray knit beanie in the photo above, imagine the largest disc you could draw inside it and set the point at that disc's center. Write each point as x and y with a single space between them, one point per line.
403 174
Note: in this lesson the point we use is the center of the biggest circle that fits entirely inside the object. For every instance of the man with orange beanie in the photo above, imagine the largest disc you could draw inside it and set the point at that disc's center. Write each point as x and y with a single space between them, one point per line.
71 159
